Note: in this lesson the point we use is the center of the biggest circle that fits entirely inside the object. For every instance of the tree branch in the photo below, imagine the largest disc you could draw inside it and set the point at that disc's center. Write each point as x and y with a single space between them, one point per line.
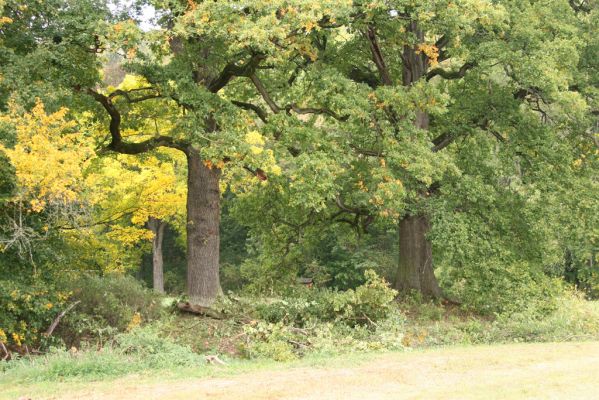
442 141
117 144
291 107
377 56
450 74
582 6
260 112
232 70
264 93
311 110
51 328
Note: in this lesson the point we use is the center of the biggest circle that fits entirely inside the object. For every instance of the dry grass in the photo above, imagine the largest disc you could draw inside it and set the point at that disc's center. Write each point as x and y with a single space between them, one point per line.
518 371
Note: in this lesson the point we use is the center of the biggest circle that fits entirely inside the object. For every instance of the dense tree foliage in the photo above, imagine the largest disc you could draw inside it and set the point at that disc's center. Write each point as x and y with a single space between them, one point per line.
449 145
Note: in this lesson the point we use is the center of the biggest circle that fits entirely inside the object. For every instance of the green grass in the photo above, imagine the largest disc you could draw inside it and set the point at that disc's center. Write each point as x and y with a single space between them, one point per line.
516 371
49 376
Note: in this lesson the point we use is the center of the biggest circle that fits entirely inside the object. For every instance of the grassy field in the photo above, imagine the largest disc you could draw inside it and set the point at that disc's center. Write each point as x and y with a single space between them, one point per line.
515 371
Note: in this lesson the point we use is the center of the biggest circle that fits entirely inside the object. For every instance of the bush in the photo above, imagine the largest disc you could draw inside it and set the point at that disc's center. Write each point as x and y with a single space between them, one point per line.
140 350
108 304
498 288
28 309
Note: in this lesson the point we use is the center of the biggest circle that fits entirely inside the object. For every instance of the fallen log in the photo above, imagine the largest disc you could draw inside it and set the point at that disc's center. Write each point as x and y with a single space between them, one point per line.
214 360
199 310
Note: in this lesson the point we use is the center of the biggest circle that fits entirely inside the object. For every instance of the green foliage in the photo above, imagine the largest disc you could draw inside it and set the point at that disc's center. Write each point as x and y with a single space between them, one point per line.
108 304
572 318
368 303
28 309
497 288
137 351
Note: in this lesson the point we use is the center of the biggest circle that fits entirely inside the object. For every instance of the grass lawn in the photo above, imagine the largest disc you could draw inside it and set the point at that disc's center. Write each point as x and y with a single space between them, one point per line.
514 371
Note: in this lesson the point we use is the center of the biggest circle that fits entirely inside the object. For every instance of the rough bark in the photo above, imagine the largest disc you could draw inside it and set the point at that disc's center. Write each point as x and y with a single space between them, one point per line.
203 220
157 227
415 271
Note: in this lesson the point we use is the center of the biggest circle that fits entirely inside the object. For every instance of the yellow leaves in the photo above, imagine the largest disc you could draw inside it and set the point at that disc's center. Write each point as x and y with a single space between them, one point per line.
135 322
361 186
310 25
18 338
48 157
5 20
3 337
210 165
205 18
430 50
49 306
129 235
255 150
275 170
131 81
131 53
255 138
308 50
37 205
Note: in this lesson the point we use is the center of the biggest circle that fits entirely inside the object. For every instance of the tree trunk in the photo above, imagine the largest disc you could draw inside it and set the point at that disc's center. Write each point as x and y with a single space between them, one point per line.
415 270
203 240
157 227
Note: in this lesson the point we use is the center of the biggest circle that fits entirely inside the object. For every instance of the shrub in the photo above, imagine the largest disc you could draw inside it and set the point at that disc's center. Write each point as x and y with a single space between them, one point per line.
28 309
108 304
498 288
140 350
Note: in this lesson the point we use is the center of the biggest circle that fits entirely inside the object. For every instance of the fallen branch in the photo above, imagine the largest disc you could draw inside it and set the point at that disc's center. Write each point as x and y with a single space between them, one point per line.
59 317
200 310
5 350
297 344
214 360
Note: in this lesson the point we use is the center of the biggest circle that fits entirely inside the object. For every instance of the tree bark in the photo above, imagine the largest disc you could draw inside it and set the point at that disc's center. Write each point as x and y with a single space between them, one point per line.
157 227
415 271
203 239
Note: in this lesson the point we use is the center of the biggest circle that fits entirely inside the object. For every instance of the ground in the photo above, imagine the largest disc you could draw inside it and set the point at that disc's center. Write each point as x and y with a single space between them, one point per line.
515 371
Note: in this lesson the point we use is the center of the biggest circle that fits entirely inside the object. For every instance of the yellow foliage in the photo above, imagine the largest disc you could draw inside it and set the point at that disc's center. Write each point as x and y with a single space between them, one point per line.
255 138
135 321
430 50
48 157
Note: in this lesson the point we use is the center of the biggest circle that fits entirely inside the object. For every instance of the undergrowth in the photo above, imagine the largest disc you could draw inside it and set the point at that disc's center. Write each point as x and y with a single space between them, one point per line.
304 322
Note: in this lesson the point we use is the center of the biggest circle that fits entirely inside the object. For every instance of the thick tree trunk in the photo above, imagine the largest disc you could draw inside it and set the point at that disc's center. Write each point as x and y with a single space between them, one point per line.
157 227
203 220
415 270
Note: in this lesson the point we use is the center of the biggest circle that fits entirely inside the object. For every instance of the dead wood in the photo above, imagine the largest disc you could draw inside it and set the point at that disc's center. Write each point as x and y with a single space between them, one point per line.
199 310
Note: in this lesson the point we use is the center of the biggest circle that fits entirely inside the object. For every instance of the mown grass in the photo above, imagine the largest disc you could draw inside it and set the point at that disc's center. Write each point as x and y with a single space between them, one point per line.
48 376
516 371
